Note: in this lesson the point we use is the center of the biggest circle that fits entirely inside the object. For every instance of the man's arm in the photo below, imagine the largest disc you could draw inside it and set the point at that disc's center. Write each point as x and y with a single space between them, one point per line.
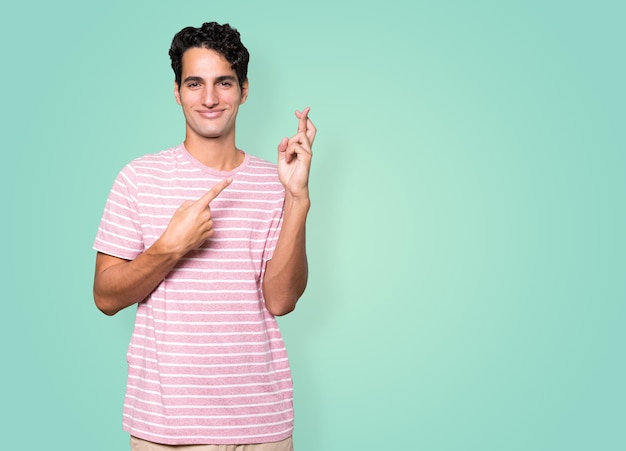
119 283
286 273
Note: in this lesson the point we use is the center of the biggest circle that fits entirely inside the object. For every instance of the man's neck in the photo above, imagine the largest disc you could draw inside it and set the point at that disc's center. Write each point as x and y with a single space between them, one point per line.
215 153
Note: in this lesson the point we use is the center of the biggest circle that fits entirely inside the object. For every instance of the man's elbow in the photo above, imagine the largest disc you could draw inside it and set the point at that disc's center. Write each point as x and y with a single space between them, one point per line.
280 302
281 309
103 305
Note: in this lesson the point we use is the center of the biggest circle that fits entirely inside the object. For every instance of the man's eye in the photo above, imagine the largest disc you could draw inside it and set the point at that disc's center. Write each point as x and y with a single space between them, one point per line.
225 83
193 85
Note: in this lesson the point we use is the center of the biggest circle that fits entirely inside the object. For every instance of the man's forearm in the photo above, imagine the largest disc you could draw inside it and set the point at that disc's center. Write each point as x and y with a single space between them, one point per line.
120 283
286 274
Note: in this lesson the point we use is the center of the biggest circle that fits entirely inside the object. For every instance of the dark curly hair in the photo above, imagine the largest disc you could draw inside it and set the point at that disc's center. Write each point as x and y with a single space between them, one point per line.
222 38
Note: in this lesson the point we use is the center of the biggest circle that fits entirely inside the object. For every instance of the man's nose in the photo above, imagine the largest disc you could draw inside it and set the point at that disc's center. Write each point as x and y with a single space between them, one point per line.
210 96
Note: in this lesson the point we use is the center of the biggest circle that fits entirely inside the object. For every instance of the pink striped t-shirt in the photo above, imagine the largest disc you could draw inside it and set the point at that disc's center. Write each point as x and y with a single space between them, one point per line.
206 360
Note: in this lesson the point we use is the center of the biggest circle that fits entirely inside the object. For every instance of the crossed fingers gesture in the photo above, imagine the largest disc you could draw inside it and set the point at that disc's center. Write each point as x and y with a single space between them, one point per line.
294 156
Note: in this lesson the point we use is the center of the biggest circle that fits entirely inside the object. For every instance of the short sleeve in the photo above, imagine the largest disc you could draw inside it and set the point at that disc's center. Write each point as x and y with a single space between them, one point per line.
276 223
119 233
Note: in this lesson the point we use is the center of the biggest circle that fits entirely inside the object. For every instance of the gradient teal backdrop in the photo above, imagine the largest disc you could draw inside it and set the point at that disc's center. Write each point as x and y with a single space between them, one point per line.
466 239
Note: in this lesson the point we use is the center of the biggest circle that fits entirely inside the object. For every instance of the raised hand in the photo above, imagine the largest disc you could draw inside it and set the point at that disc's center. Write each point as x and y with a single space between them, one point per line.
192 223
294 156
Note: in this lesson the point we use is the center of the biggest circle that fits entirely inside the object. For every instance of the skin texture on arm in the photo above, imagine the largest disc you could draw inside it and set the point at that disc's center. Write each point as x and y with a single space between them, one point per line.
286 273
119 283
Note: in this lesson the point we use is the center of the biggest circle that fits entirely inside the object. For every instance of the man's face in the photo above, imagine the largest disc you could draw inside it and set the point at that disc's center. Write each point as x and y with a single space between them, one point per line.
209 94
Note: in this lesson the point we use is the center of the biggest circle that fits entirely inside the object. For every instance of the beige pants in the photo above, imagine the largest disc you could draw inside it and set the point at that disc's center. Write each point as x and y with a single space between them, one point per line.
137 444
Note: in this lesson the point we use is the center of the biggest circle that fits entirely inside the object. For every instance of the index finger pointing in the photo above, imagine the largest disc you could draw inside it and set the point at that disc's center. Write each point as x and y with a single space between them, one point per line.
213 192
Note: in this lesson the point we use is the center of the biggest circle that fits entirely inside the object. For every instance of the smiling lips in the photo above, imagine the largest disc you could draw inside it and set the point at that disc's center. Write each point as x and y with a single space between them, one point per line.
210 114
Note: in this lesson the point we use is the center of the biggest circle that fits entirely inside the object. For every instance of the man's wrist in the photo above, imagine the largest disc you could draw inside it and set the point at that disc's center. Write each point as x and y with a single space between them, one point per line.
161 251
300 202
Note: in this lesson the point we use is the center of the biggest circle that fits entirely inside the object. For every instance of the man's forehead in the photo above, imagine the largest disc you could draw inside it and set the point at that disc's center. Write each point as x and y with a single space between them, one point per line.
206 59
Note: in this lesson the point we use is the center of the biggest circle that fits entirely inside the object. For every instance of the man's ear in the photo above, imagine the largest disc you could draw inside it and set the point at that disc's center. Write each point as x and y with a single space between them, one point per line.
244 91
176 92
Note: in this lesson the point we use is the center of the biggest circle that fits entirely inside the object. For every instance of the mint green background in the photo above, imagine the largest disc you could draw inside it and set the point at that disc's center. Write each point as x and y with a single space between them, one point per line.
466 240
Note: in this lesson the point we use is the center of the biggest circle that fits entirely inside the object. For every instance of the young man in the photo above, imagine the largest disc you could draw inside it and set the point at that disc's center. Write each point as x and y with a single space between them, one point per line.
209 242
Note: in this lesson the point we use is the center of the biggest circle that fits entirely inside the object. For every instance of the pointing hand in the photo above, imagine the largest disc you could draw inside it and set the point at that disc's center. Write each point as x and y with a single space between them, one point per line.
192 223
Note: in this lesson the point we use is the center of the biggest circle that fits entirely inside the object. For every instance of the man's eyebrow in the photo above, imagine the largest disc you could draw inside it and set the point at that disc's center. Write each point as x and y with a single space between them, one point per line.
222 78
193 79
219 79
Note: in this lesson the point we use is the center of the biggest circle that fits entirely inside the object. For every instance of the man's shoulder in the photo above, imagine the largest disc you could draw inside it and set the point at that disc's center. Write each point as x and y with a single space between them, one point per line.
161 158
259 165
151 163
